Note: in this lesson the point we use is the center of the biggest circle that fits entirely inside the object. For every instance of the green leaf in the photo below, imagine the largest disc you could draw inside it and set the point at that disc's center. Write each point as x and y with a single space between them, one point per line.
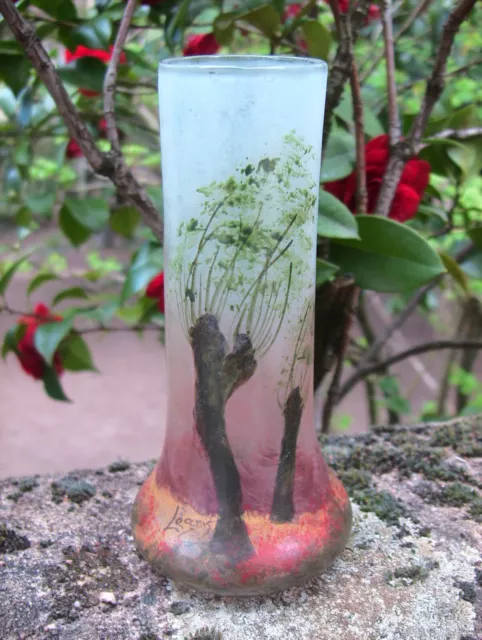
76 232
223 28
14 71
393 399
95 34
430 210
71 292
463 117
60 9
79 218
389 257
338 156
9 273
371 123
42 203
85 73
12 338
124 221
39 280
475 234
318 39
468 158
334 219
279 5
455 270
178 22
147 262
48 336
92 213
23 217
264 18
155 193
324 271
52 385
75 354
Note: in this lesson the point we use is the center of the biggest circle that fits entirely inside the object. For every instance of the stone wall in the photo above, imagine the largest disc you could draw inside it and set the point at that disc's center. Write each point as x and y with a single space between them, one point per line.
412 569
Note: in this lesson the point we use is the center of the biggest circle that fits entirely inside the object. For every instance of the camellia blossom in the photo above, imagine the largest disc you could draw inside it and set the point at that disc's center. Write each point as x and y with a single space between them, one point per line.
155 290
291 11
30 359
201 45
373 9
409 191
73 150
99 54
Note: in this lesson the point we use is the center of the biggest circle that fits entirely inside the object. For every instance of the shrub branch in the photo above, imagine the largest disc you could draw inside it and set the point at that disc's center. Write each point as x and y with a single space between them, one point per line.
111 165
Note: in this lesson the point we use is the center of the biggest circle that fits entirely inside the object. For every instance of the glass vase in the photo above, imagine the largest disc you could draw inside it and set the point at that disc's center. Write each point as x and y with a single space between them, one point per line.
241 500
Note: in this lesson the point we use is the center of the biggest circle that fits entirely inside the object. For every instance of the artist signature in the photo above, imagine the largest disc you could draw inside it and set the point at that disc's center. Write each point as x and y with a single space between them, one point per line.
183 526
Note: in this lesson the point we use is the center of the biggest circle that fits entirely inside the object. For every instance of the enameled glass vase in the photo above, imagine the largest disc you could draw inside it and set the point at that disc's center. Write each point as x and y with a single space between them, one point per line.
241 500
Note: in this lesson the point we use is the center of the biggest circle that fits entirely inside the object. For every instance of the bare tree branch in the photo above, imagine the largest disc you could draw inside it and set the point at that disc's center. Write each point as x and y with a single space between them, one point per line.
403 29
405 149
110 165
459 134
373 351
110 80
434 345
394 128
358 117
342 64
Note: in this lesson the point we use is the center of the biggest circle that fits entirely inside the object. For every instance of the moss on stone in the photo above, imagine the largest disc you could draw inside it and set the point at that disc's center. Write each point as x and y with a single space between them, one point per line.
77 491
383 504
475 510
464 438
205 633
11 541
456 494
412 572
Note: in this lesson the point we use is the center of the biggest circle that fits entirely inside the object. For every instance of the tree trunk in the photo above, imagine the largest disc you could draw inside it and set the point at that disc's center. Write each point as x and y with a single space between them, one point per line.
282 509
218 374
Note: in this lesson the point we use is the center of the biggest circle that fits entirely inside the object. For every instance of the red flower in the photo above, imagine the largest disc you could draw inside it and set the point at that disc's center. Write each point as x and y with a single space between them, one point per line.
373 10
201 45
30 359
100 54
155 290
373 13
410 189
73 150
291 11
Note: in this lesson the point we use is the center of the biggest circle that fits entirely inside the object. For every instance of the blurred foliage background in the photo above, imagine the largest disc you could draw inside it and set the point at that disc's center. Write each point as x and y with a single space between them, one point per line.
54 208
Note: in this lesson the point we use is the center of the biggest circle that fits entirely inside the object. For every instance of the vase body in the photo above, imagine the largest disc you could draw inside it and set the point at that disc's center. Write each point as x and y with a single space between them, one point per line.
241 500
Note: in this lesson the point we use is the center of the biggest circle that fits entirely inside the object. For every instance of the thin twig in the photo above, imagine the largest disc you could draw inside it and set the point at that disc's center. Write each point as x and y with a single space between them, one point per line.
394 128
373 351
341 66
137 327
434 345
459 134
343 340
5 308
110 165
403 29
405 149
405 86
110 79
370 387
358 117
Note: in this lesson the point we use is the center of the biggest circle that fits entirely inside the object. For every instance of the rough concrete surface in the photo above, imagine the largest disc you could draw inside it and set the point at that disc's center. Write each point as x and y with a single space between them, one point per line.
412 569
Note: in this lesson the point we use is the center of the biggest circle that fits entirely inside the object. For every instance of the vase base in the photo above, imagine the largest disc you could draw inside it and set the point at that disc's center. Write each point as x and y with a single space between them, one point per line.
177 541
